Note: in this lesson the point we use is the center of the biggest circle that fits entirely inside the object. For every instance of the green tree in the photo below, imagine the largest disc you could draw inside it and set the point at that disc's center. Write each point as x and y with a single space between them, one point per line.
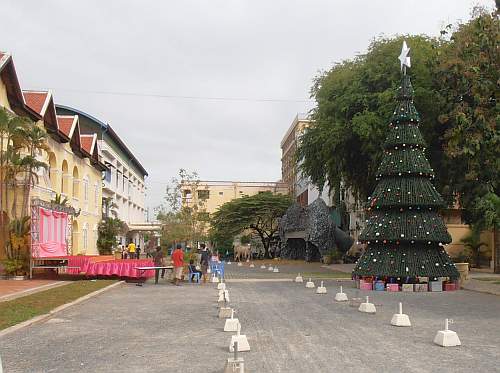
472 242
35 142
467 75
258 213
109 228
183 214
354 100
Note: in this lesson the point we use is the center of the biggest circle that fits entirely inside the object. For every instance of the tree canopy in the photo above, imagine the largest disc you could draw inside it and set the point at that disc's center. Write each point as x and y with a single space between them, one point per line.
258 213
183 217
456 90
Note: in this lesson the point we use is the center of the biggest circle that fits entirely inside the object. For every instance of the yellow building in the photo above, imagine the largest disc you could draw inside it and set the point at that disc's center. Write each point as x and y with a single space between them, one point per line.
75 168
215 193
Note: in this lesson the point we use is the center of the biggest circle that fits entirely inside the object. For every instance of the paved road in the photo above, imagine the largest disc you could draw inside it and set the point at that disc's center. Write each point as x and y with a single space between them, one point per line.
290 329
287 270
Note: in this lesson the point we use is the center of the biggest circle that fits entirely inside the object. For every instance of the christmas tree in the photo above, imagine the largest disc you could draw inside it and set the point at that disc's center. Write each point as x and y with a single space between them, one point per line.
404 232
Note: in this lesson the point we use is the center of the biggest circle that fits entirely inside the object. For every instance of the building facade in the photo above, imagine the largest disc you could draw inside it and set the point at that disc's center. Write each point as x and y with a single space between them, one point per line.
215 193
289 143
74 162
124 179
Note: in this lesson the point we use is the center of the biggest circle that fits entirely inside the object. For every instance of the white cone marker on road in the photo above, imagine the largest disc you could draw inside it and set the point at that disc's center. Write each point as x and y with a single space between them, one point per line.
299 278
310 284
241 339
231 324
341 296
447 337
321 289
400 319
367 307
234 364
276 270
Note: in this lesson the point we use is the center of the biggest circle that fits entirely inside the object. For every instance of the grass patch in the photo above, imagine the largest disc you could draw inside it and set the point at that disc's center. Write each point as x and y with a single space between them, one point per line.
21 309
323 275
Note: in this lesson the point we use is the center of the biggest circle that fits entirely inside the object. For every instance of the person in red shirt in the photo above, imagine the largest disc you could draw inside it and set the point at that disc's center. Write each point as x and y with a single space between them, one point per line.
178 261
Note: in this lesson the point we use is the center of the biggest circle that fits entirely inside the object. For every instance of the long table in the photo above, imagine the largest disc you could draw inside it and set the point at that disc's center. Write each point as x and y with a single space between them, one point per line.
143 270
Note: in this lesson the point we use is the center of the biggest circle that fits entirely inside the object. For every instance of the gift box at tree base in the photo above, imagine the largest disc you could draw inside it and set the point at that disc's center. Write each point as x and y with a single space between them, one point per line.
404 233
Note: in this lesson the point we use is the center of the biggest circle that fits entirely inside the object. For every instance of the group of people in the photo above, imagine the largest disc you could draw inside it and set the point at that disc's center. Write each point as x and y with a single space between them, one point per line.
130 251
195 269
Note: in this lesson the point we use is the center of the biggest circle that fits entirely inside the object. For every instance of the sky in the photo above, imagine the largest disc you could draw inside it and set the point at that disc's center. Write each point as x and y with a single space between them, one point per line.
208 86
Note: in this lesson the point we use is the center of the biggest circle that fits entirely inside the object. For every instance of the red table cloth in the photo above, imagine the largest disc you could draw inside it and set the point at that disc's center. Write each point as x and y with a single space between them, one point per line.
120 268
81 261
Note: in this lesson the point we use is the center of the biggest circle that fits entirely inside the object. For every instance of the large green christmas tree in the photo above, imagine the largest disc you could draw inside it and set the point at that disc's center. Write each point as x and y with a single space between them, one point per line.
404 232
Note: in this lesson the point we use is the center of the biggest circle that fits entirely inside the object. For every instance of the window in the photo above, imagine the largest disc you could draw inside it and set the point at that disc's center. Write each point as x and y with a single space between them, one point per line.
107 175
85 189
96 195
85 232
221 193
186 193
203 194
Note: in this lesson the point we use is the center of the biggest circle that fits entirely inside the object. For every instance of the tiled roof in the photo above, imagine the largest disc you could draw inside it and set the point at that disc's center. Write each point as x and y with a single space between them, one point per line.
36 100
86 142
65 123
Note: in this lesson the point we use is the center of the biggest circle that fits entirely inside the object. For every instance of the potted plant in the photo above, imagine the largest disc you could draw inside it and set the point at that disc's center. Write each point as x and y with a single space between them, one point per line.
462 263
473 243
16 264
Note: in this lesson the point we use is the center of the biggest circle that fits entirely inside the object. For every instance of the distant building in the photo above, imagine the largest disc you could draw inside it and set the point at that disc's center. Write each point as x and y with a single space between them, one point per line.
124 179
289 169
216 193
348 214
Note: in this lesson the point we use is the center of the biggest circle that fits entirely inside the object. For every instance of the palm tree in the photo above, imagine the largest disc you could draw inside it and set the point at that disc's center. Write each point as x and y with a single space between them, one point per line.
35 142
59 200
11 140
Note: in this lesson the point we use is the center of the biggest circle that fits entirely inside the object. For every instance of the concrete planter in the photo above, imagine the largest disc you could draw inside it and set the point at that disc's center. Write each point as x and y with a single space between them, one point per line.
463 269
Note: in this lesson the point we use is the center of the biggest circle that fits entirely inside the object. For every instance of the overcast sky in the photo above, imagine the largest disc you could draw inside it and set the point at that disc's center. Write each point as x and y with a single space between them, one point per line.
255 50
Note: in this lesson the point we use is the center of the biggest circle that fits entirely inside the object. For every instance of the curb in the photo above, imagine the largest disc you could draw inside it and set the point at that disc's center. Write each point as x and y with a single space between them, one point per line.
40 318
26 292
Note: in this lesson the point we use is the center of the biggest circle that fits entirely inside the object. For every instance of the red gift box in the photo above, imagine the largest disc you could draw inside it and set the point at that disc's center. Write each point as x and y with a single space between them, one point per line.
365 285
450 286
392 287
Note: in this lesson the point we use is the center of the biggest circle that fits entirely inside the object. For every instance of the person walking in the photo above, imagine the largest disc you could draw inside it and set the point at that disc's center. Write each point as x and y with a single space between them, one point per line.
150 249
131 250
159 261
204 261
178 261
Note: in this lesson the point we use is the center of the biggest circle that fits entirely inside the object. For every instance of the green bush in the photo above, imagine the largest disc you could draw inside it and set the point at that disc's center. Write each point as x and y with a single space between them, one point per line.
13 267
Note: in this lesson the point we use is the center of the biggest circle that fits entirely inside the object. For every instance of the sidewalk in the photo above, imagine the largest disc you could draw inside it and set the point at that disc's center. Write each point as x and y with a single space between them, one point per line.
12 289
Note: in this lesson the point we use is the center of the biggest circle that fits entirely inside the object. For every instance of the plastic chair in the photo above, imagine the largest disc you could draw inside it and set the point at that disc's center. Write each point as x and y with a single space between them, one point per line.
196 276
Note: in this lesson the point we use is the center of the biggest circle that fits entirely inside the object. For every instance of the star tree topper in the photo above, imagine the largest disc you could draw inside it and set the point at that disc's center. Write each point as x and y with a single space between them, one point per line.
404 57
